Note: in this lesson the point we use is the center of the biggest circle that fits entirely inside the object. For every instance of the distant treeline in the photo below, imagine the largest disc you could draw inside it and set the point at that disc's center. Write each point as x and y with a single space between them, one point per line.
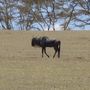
39 14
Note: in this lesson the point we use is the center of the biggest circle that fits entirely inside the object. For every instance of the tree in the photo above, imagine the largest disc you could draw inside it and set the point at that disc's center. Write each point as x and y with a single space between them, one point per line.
39 14
78 13
6 14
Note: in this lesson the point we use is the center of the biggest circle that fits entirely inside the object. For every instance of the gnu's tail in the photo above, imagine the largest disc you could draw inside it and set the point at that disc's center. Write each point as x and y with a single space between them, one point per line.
59 46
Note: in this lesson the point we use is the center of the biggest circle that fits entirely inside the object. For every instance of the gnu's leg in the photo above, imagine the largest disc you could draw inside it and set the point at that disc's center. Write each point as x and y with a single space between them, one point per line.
55 52
59 47
42 52
45 52
58 52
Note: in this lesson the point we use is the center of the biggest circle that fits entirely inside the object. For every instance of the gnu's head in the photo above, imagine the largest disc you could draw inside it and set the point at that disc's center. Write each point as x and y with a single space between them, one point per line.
33 41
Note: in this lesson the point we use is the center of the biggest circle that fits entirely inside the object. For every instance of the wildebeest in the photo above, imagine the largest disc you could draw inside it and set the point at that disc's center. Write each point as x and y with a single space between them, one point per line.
44 42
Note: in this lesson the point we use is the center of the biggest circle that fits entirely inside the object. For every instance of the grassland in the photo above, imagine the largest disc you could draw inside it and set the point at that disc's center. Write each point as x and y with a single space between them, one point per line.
23 68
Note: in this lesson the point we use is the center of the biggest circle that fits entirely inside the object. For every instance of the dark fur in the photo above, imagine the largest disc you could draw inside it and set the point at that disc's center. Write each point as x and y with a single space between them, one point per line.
44 42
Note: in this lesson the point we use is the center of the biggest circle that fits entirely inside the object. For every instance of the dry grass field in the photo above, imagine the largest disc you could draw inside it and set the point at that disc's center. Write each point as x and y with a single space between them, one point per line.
23 68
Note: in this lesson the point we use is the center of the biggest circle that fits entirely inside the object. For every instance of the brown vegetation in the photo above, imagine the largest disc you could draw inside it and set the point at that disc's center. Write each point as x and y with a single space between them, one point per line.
23 68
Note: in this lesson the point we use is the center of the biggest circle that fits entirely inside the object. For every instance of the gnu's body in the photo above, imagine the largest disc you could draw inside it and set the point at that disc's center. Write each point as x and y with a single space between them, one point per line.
44 42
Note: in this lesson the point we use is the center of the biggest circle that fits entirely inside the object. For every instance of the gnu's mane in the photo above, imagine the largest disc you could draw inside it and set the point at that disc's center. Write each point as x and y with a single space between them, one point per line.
44 38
